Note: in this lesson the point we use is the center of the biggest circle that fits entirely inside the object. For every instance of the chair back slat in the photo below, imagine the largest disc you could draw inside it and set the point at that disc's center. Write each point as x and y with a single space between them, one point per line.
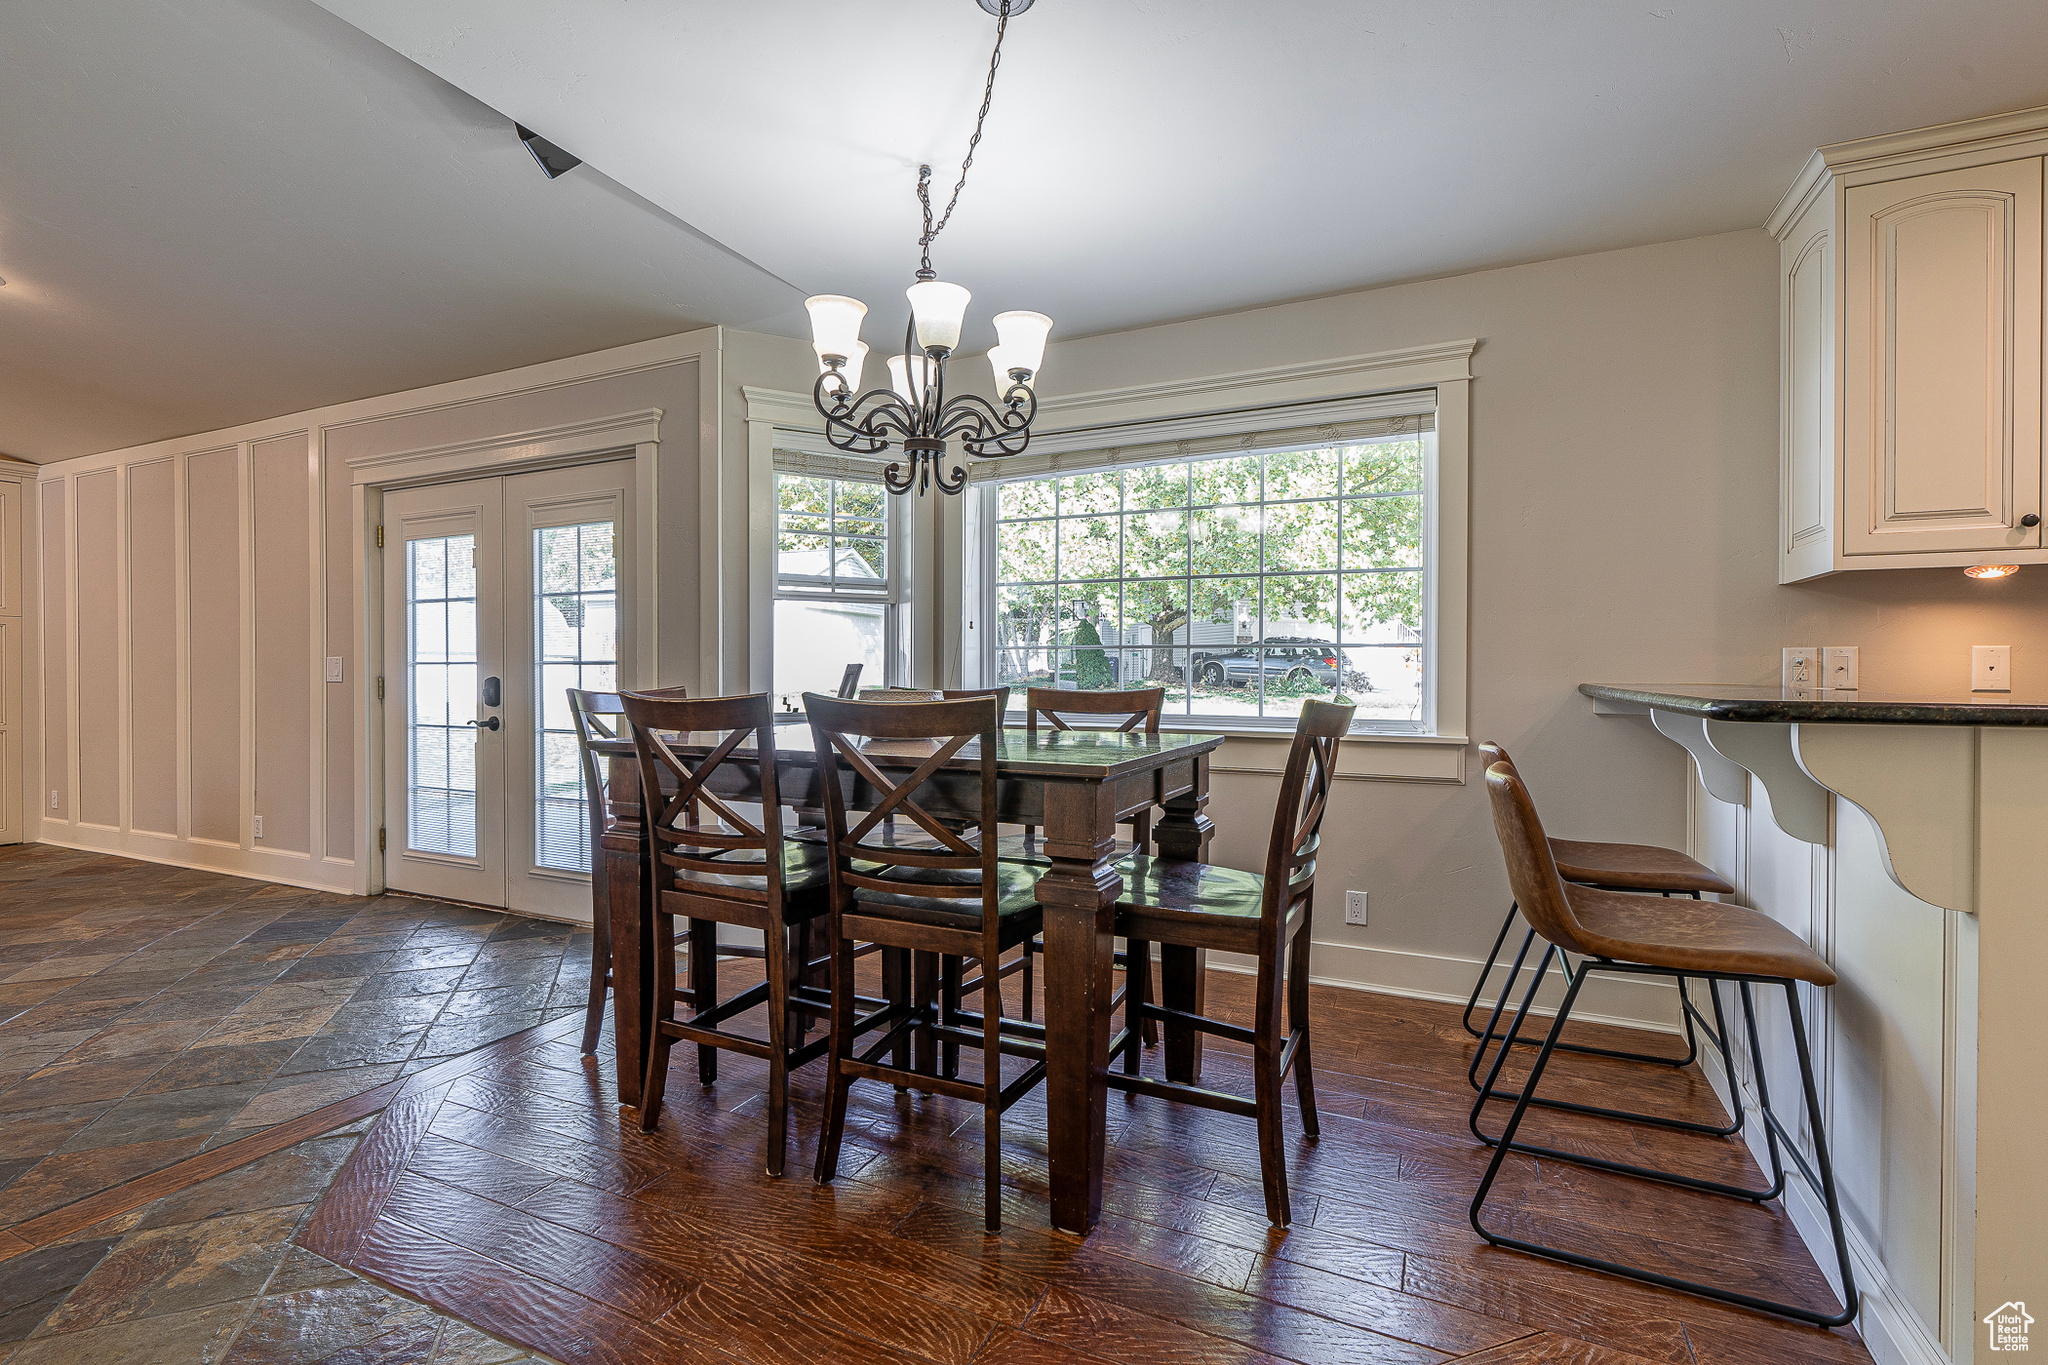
1137 705
849 681
680 841
1532 871
1304 799
600 716
849 735
1001 694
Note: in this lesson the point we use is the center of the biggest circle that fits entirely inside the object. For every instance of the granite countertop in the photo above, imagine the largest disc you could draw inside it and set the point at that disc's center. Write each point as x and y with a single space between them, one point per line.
1824 706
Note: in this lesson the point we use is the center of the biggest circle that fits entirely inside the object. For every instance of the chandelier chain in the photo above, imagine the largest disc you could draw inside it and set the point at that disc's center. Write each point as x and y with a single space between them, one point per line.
924 173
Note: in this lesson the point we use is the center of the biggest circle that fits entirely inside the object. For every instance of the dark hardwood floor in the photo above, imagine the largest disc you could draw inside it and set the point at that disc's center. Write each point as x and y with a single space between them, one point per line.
519 1198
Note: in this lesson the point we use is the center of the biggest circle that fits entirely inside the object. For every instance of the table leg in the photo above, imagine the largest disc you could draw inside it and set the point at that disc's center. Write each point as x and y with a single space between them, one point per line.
1184 832
1079 894
632 923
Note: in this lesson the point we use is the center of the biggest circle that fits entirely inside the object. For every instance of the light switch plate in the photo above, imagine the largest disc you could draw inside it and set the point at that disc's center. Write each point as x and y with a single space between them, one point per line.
1354 907
334 668
1991 668
1801 666
1838 667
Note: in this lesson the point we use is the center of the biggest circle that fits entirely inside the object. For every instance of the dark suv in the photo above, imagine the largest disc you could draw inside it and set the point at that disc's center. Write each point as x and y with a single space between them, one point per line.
1306 661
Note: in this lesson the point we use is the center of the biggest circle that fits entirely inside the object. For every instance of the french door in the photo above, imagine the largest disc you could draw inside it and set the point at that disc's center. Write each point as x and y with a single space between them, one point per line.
499 595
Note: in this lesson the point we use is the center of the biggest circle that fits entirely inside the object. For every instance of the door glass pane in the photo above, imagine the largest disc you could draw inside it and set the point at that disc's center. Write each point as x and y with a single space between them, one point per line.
440 592
575 644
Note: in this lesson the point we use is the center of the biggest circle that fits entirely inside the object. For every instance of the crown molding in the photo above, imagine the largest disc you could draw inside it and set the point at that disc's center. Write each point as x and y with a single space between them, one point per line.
2021 125
1807 186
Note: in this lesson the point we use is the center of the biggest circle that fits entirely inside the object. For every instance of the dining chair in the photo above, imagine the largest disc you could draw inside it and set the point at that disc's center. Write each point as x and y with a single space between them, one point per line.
731 869
849 681
595 717
1138 705
1188 906
1617 867
939 891
1628 934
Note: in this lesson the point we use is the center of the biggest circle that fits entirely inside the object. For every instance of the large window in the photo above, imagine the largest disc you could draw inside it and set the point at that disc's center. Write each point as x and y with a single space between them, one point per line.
1245 583
836 583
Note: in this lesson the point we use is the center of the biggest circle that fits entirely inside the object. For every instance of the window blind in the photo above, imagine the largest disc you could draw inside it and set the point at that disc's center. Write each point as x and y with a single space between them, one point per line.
1298 425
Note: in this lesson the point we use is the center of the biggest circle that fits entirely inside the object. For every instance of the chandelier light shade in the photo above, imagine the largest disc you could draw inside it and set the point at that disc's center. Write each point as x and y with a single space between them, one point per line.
915 412
849 365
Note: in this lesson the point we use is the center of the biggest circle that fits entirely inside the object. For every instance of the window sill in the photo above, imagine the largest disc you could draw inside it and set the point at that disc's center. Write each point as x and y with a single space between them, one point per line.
1360 757
1367 757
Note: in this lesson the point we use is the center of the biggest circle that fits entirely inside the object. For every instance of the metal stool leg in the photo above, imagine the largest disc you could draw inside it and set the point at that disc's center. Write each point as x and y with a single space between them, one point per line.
1822 1180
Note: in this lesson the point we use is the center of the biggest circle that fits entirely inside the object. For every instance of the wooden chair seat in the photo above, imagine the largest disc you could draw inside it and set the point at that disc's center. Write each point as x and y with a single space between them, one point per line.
805 872
1016 894
1699 938
1166 900
1634 867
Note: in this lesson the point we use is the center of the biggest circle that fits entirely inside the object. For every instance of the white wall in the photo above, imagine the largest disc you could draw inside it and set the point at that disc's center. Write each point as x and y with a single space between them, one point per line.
189 592
1623 512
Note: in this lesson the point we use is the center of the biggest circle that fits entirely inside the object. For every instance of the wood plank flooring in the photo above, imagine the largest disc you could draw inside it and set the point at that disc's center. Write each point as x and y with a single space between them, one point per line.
520 1198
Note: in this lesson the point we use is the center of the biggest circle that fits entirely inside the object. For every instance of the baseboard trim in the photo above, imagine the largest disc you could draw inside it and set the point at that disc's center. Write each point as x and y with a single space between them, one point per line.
204 855
1893 1332
1626 1002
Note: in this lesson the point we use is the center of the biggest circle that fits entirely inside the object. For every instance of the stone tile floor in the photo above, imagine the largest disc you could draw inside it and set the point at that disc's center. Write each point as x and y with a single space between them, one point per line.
148 1013
208 1276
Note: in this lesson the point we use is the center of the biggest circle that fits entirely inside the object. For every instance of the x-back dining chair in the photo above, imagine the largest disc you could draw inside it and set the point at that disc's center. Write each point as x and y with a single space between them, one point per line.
1188 906
596 717
940 892
730 869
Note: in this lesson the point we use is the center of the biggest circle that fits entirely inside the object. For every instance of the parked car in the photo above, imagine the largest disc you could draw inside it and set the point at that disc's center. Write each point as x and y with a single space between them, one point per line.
1300 662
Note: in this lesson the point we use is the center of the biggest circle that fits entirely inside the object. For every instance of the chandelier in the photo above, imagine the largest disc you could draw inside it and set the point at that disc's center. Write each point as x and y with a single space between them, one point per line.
915 412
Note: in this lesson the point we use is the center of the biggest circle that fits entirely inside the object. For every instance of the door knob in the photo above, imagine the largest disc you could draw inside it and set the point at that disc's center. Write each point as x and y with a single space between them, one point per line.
490 724
2031 519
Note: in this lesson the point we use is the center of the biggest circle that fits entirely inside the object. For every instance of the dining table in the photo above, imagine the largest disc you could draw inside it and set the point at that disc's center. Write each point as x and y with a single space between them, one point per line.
1075 786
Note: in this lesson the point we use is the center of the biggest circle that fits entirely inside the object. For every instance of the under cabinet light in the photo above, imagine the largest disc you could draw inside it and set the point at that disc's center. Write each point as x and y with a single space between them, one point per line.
1992 570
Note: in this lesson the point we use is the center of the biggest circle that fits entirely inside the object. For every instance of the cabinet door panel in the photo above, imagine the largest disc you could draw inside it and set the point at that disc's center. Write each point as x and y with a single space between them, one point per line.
1942 362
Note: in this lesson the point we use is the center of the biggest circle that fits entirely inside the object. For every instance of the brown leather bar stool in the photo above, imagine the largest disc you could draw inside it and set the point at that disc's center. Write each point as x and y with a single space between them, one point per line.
592 713
1185 906
729 870
1629 934
1616 867
946 896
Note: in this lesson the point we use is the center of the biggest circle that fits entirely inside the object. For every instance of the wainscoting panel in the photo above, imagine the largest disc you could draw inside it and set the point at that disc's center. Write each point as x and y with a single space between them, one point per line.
214 570
284 644
99 650
54 797
153 648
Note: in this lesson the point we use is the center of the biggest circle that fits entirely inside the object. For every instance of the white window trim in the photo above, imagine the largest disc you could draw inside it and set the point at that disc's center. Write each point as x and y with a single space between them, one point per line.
945 633
1334 391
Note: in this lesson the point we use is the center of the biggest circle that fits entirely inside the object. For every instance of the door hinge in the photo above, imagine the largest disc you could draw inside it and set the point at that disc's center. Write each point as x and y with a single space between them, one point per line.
380 537
380 687
380 839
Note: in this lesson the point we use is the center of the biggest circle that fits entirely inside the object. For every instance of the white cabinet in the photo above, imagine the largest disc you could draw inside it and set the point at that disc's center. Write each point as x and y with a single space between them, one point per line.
1911 353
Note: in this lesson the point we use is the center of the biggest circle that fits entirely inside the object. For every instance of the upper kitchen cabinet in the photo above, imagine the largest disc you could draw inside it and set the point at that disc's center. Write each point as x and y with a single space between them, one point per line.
1910 312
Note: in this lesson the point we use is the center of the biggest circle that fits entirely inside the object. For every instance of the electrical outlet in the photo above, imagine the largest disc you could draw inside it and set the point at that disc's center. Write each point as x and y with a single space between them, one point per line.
1354 907
259 827
334 668
1838 667
1801 666
53 798
1991 668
